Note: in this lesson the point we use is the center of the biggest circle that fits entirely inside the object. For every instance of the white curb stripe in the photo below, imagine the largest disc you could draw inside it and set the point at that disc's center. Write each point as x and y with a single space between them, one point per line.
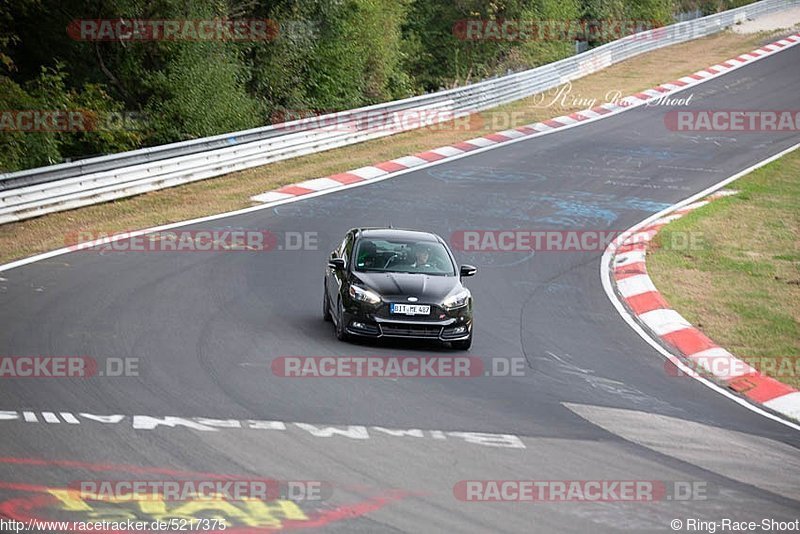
513 134
318 184
589 114
653 93
409 161
632 100
724 365
481 142
368 172
271 196
635 285
787 404
565 120
663 321
627 258
448 151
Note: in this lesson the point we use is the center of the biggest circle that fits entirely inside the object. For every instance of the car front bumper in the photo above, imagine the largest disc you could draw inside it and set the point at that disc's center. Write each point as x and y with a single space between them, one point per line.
363 322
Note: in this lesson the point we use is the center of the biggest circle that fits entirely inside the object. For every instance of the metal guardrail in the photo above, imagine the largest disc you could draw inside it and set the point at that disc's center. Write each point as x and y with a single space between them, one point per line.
34 192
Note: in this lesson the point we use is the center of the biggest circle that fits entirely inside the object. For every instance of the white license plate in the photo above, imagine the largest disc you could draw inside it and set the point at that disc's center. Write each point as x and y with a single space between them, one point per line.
410 309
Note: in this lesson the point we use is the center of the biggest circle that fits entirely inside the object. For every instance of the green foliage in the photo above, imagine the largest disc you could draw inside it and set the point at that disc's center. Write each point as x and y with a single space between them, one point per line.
328 55
199 92
103 130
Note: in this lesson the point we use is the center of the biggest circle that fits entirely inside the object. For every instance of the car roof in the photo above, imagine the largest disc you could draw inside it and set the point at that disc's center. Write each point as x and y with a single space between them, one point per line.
397 233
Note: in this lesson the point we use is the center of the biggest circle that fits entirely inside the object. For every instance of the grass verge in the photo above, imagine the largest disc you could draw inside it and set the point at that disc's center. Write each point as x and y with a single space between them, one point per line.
741 283
233 191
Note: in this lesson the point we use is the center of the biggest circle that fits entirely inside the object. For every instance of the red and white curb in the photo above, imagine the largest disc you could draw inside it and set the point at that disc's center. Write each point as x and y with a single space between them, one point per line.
636 291
401 165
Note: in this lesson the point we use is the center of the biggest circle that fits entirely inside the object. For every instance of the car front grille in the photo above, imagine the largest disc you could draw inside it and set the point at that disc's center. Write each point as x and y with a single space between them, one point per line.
410 330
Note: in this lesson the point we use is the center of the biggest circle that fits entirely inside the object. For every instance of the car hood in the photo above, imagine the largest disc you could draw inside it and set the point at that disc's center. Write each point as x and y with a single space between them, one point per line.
426 288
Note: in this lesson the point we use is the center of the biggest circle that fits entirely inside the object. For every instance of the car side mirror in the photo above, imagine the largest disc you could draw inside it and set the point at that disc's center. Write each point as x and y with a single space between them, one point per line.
468 270
336 263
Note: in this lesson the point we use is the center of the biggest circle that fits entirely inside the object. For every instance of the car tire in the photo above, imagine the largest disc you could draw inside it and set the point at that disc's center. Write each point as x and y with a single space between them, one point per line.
326 309
341 333
463 344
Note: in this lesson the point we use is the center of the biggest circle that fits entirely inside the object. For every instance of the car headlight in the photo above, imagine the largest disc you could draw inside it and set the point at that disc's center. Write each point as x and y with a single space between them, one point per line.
364 295
458 300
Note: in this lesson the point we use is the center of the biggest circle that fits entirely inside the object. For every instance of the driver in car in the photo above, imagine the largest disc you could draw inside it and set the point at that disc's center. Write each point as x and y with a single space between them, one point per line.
422 257
367 255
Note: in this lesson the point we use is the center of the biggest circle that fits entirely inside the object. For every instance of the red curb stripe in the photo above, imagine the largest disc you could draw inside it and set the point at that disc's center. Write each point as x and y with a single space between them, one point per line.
390 166
689 340
661 89
643 96
496 137
630 247
712 70
653 228
622 275
696 77
429 156
678 83
466 147
601 110
526 130
645 302
626 271
346 178
744 57
577 116
765 49
294 190
759 388
553 123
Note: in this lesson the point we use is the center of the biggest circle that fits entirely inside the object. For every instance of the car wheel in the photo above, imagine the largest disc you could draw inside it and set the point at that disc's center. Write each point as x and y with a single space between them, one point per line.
463 344
341 333
326 309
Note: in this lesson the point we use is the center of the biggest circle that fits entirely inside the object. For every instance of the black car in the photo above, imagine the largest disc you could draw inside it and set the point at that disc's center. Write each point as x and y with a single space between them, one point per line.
385 282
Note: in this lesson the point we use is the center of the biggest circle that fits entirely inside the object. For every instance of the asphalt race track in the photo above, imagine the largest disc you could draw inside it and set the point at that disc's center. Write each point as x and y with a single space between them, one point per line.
595 401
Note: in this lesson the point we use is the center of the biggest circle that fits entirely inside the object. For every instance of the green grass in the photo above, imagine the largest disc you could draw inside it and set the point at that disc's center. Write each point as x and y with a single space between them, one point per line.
741 284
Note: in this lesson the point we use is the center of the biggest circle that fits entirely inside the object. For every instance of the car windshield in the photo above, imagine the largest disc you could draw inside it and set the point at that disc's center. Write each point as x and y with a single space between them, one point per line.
402 256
